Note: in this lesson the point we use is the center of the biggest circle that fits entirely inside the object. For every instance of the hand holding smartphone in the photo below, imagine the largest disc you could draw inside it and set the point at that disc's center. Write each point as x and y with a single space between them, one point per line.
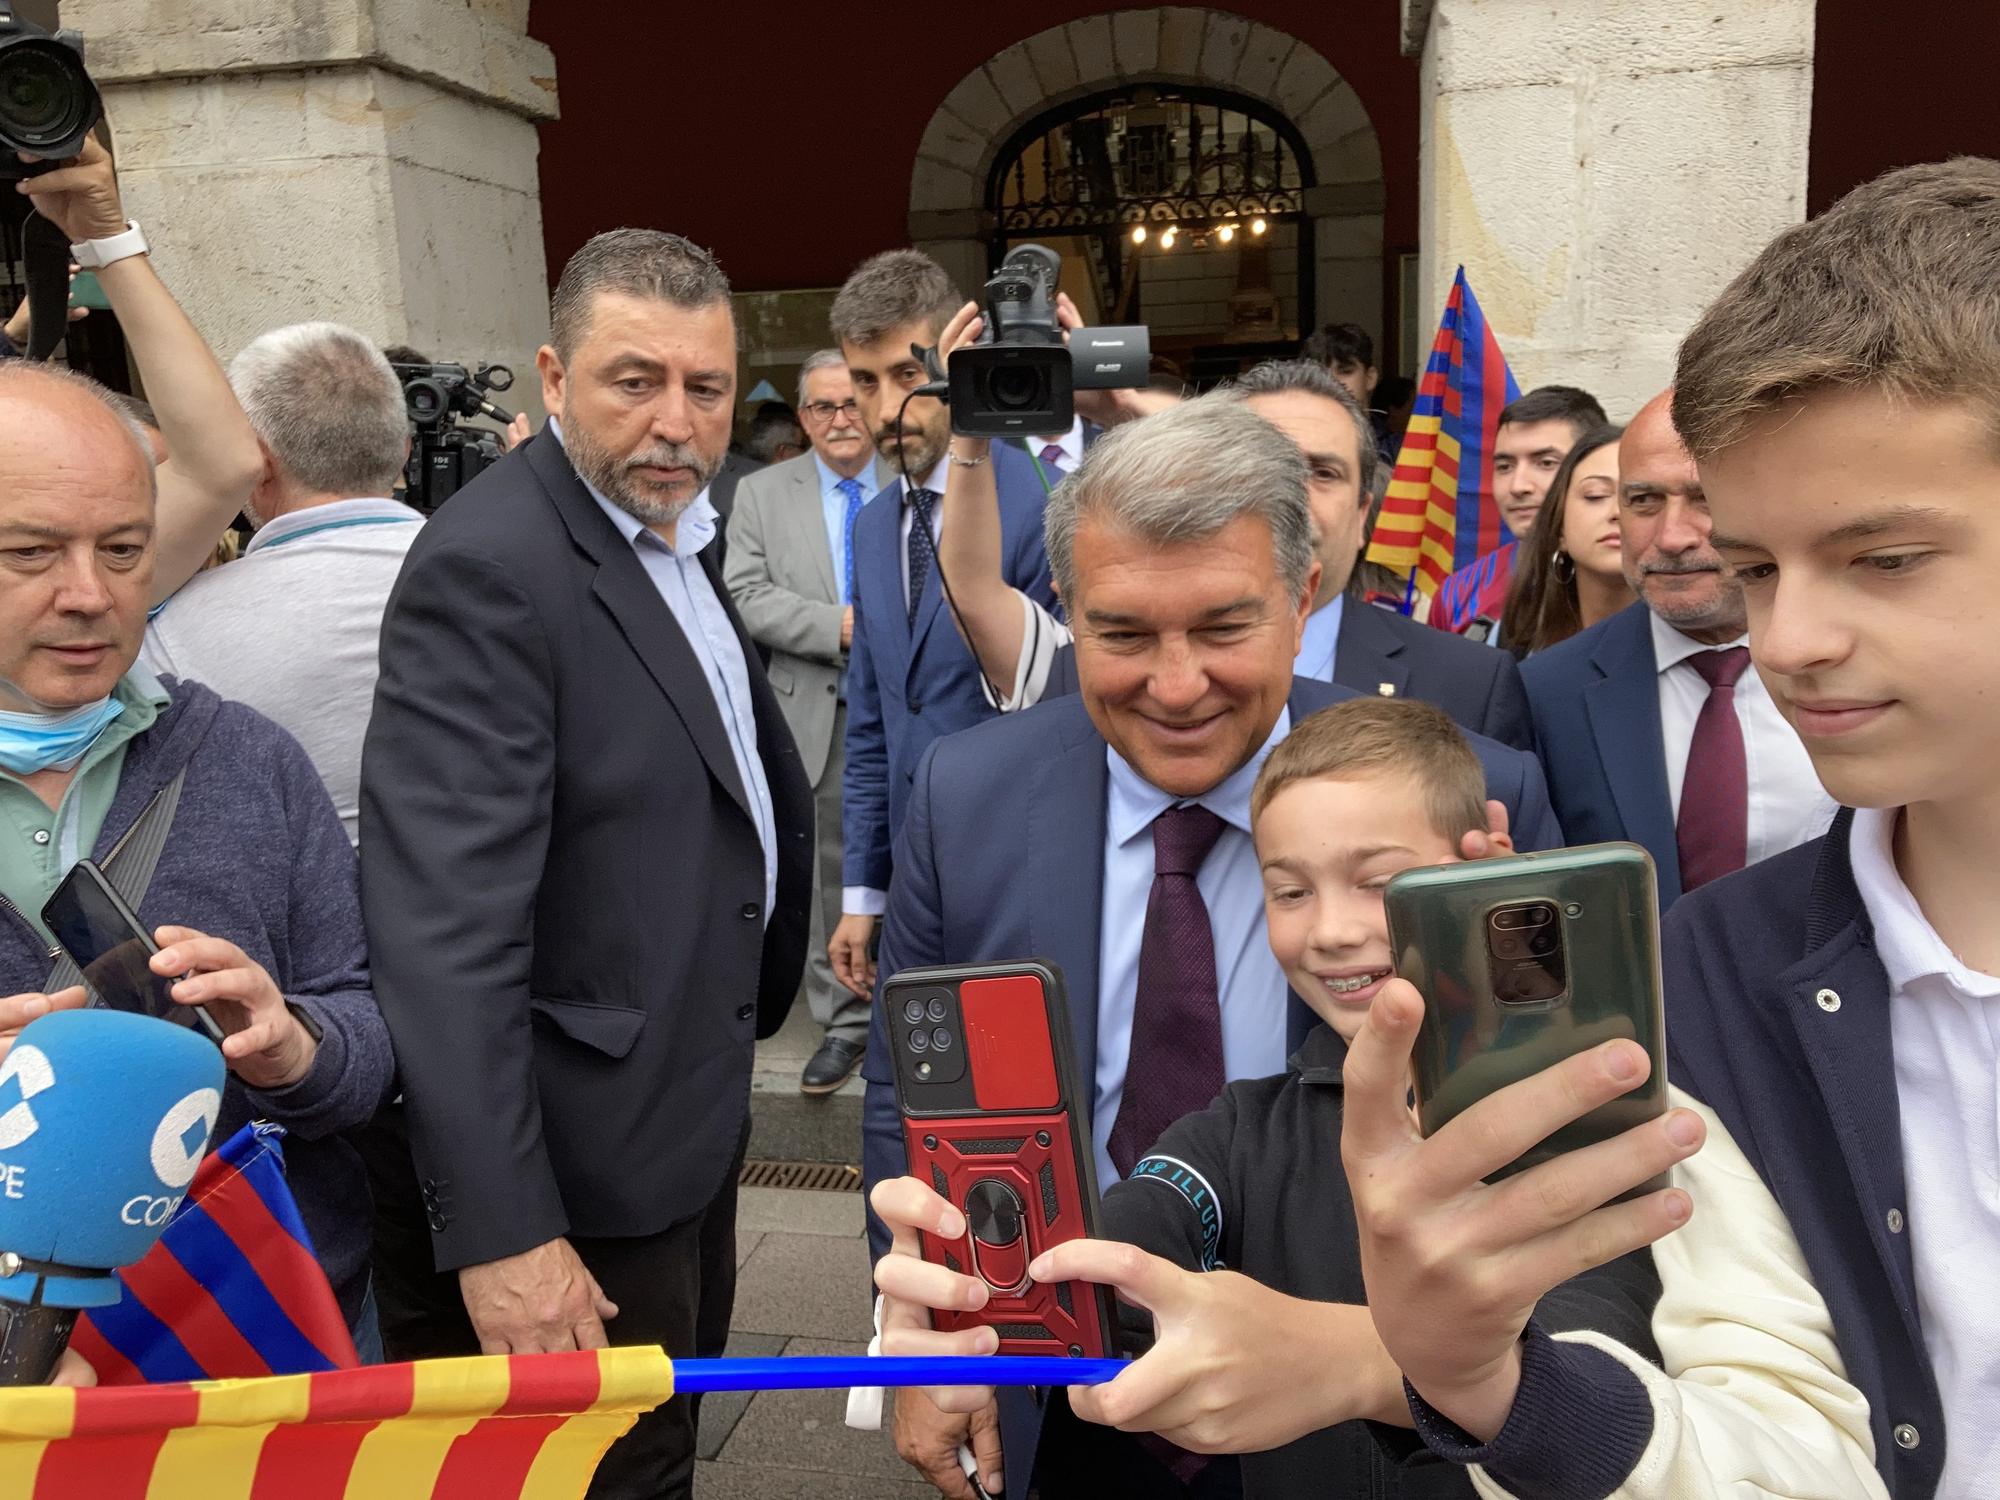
100 932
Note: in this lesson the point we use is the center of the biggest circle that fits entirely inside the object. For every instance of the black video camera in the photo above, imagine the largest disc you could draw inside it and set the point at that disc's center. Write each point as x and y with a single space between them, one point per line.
48 105
444 455
1019 378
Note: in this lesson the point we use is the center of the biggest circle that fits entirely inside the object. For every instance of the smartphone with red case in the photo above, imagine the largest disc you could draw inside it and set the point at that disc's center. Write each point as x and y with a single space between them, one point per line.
995 1119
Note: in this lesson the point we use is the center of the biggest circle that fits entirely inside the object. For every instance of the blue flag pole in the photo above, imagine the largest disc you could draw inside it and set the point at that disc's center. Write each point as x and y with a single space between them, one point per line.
837 1371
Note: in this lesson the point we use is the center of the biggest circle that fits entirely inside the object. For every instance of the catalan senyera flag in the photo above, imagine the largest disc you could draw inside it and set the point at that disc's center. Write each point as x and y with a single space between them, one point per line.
495 1427
232 1289
1439 514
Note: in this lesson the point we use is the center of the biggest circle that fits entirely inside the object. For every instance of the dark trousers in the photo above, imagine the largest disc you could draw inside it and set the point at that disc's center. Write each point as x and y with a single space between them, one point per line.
1079 1460
674 1288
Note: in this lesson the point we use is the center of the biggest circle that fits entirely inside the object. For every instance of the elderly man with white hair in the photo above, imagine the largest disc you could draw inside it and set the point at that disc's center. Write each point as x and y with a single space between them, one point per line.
290 628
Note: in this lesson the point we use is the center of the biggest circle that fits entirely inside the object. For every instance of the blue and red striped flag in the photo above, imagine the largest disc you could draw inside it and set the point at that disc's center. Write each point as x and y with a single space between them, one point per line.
231 1290
1439 514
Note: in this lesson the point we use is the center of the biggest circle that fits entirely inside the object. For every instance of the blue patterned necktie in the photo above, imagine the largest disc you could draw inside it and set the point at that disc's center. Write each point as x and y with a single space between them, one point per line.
851 488
921 547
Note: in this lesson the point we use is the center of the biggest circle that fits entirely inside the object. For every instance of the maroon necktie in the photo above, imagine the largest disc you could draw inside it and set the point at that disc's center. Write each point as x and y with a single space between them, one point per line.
1174 1064
1712 833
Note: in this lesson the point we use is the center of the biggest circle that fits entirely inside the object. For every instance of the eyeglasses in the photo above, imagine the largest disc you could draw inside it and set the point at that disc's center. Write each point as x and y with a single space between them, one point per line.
826 411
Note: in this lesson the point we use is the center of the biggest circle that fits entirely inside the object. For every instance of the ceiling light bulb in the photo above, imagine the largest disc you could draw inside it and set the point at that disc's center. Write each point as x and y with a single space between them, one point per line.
1226 233
1258 226
1168 237
1138 234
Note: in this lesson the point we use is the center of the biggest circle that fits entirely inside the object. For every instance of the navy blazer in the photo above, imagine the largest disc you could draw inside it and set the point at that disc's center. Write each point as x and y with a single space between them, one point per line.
907 685
1596 704
1809 1094
1001 856
1479 686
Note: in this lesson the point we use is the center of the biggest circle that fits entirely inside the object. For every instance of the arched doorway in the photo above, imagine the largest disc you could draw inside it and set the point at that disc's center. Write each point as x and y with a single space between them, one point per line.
1044 127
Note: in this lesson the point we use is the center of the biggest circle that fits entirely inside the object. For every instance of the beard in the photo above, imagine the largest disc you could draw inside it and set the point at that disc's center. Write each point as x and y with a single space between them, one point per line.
920 449
618 478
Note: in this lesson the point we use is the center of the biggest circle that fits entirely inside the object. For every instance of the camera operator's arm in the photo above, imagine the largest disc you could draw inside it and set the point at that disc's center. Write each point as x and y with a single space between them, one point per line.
214 459
998 621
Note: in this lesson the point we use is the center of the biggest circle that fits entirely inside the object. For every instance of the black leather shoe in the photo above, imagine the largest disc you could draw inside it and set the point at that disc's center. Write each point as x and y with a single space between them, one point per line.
831 1065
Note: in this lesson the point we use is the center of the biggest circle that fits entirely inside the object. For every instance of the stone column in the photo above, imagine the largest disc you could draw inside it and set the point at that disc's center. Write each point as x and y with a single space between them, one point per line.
368 161
1602 168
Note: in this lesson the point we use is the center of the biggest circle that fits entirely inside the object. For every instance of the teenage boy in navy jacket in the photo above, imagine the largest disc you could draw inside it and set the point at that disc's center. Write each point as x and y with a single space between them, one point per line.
1234 1230
1827 1312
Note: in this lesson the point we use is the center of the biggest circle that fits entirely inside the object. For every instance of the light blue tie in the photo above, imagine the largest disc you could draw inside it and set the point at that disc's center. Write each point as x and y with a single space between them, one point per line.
851 488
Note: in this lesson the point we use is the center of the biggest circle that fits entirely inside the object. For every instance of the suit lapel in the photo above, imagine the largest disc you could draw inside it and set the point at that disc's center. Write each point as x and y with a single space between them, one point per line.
649 627
808 522
1066 822
1623 707
1368 655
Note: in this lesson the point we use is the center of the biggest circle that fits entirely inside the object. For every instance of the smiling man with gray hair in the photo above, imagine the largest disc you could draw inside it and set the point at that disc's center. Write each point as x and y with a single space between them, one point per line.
290 628
1183 548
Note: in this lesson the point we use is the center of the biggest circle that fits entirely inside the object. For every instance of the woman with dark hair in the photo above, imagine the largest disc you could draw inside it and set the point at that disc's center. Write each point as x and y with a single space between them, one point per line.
1570 575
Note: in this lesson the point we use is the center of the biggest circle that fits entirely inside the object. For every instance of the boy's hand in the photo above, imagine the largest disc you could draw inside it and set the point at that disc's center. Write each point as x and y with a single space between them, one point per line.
932 1422
1237 1367
1454 1267
1495 840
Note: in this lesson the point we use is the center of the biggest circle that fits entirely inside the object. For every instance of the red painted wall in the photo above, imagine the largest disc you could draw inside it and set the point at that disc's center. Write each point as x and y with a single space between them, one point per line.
782 135
1902 83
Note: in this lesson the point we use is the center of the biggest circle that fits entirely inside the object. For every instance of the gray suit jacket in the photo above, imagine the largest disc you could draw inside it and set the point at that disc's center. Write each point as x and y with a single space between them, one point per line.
780 572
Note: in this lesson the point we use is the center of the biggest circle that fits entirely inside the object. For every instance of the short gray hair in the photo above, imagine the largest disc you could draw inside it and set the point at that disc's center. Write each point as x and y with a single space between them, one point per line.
22 371
823 359
640 263
1181 475
890 290
1276 376
327 405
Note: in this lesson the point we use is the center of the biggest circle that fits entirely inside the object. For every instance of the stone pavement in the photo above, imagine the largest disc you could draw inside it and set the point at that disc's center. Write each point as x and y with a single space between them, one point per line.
802 1288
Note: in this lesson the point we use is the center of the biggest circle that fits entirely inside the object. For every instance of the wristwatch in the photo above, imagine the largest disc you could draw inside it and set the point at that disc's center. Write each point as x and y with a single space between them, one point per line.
94 255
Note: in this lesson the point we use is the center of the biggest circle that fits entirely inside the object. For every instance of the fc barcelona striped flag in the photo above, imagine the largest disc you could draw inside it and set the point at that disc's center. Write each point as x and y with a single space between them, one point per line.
232 1289
1439 514
490 1428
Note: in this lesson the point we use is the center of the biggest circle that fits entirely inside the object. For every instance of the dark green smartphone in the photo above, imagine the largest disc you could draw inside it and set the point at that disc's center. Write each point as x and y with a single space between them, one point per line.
1525 960
85 290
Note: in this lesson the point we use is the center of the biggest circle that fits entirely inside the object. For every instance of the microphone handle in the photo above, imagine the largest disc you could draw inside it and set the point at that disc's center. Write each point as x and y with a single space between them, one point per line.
32 1340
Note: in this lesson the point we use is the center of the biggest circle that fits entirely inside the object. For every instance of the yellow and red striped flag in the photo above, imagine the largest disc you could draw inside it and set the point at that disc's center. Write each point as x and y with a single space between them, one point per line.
491 1428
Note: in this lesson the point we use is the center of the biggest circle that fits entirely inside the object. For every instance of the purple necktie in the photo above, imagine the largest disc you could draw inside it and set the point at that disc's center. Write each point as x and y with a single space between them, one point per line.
1052 455
1712 832
1174 1064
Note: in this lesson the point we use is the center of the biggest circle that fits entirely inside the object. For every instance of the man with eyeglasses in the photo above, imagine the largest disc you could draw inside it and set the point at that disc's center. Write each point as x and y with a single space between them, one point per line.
790 567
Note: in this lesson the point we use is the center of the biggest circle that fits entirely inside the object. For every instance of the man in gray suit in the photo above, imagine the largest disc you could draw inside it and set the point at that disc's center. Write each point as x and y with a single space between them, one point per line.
790 569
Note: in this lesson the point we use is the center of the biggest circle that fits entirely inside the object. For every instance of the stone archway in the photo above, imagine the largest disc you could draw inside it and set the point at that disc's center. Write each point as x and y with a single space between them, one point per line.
1181 45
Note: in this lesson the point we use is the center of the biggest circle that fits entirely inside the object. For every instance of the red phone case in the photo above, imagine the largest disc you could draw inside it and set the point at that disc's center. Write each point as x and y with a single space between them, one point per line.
986 1079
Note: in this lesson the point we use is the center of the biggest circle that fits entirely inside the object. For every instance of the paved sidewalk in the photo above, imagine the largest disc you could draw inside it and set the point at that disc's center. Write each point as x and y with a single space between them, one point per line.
802 1288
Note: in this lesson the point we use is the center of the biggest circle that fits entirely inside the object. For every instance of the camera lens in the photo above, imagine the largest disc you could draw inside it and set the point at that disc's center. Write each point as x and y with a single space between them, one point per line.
1540 916
940 1040
43 98
1508 946
913 1011
935 1010
1542 943
1014 388
920 1041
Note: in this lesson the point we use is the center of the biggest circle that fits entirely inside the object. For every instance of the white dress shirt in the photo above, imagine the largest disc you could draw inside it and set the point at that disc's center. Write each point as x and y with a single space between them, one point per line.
1070 442
1944 1026
1251 986
683 586
833 512
1788 806
934 482
1321 642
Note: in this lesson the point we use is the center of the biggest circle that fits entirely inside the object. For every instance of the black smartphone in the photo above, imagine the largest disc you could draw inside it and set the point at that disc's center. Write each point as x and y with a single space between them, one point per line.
102 935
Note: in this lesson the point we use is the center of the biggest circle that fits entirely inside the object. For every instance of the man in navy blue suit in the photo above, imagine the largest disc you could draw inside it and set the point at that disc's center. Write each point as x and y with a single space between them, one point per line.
1637 740
1184 547
910 676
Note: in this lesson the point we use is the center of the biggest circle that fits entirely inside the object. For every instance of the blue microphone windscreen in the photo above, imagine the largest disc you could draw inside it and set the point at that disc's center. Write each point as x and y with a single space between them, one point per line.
104 1117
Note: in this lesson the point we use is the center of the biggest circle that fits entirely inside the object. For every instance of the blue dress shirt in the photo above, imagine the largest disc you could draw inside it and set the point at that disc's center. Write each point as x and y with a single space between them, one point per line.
1322 641
833 510
1254 993
683 584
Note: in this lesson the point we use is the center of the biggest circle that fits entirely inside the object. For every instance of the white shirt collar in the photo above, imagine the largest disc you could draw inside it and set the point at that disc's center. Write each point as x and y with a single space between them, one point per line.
694 531
1671 648
831 481
1910 947
933 481
1070 442
334 513
1135 802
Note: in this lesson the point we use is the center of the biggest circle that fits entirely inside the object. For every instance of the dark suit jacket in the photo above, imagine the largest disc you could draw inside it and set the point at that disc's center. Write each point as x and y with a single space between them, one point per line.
908 685
1596 704
1001 856
565 888
1479 686
722 495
